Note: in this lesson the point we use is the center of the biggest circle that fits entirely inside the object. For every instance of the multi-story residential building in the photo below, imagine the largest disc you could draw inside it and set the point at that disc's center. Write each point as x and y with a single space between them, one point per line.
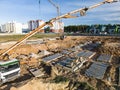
58 27
11 27
32 24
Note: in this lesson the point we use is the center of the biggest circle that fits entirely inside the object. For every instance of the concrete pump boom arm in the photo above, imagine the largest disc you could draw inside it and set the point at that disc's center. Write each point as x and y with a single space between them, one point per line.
51 21
83 9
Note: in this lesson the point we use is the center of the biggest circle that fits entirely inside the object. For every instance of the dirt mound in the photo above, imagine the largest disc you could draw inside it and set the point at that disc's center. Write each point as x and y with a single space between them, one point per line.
110 48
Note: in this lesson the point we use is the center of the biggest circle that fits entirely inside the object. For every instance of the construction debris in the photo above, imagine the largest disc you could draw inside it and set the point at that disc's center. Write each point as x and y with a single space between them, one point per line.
69 61
52 57
104 58
44 53
65 52
34 41
36 72
90 45
86 54
33 55
97 70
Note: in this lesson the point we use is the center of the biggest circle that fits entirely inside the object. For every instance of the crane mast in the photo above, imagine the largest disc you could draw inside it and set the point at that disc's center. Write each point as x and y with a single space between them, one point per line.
67 15
56 6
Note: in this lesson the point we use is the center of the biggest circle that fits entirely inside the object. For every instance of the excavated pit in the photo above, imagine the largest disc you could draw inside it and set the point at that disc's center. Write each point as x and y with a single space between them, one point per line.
109 45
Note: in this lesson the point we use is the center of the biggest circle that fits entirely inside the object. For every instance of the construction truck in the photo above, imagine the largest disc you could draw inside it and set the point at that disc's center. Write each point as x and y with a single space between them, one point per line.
10 69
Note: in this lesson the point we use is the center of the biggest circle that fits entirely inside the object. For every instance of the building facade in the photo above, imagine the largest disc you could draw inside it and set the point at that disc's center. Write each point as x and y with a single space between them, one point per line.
11 27
32 24
58 27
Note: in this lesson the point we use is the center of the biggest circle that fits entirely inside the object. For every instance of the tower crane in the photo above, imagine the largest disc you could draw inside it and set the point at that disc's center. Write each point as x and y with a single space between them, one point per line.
56 6
58 14
67 15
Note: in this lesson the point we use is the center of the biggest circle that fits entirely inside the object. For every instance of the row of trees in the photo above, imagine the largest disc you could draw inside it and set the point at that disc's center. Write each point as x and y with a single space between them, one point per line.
84 28
76 28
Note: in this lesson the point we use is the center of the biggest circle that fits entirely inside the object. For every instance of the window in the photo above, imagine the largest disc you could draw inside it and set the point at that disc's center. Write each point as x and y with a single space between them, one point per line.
4 69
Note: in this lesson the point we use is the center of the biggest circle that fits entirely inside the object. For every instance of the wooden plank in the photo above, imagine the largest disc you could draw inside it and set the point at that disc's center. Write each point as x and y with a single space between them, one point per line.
36 72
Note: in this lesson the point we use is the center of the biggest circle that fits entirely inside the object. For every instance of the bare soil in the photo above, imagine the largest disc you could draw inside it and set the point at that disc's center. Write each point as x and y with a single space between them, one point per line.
110 45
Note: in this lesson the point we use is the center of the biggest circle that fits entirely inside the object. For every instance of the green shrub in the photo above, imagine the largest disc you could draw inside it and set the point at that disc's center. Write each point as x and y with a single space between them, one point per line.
83 86
59 79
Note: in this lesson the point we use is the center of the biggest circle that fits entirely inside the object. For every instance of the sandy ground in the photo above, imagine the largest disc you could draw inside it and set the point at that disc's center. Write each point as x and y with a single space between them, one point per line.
67 43
111 45
38 85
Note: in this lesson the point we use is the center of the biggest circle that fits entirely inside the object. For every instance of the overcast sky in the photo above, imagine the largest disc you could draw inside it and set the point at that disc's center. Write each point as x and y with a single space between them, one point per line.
25 10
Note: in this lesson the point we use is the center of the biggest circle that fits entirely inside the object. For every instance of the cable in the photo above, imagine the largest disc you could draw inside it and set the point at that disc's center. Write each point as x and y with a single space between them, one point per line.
56 6
39 8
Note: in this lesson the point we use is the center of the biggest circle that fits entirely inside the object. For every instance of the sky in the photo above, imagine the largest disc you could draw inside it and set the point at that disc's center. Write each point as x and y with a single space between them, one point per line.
24 10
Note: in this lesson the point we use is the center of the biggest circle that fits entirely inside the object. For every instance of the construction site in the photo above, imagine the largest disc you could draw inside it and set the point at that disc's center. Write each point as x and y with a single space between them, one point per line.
61 63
